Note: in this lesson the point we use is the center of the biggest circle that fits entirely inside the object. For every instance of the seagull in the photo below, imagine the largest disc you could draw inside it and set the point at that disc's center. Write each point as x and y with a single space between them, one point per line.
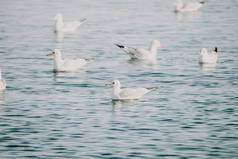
208 58
66 65
128 93
142 54
66 27
181 6
2 82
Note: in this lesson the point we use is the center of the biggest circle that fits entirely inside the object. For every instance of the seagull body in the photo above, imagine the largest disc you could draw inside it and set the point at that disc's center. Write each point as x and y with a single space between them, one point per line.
66 65
188 6
142 54
2 82
128 93
66 27
208 58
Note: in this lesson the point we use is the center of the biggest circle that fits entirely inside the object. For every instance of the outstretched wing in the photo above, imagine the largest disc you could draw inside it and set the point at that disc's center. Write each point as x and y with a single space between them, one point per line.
126 49
133 52
72 26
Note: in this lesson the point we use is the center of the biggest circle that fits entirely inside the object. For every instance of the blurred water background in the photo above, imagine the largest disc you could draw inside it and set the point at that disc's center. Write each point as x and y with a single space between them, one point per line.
44 115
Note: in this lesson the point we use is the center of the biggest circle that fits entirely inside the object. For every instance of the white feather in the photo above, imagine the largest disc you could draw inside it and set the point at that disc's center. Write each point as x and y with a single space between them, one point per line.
66 27
149 55
128 93
66 65
208 58
181 6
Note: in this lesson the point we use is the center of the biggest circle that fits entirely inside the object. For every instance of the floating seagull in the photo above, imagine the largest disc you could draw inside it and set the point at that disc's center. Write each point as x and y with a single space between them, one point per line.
142 54
128 93
181 6
66 65
208 58
2 82
66 27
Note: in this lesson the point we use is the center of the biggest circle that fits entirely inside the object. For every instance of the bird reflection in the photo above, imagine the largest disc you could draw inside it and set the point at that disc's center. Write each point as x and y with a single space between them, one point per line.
2 97
208 67
59 36
186 15
120 103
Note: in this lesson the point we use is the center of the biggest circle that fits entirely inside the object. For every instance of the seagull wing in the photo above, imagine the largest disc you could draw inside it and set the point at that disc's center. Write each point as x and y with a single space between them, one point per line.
141 53
133 93
135 53
71 26
73 64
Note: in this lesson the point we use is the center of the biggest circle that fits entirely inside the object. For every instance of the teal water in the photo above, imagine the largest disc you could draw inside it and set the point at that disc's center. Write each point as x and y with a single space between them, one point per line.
194 113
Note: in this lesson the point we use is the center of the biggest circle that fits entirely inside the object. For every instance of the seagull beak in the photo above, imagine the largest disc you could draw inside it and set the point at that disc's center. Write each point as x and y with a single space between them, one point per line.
50 55
108 84
83 20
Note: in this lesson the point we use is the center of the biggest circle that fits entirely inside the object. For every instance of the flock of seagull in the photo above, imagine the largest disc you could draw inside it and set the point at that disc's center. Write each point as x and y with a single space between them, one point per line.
71 65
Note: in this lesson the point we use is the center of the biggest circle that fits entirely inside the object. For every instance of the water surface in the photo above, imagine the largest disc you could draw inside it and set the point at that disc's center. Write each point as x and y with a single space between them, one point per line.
44 115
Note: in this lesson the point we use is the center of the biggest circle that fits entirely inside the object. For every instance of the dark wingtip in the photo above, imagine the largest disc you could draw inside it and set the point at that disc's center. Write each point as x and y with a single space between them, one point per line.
120 46
215 49
202 2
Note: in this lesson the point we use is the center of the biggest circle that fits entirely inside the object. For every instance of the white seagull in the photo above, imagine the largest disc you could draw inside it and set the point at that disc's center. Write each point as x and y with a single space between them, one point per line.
208 58
128 93
66 27
181 6
2 82
142 54
66 65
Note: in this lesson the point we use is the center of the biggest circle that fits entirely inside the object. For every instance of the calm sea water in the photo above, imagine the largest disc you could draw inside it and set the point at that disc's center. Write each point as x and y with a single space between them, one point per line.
43 115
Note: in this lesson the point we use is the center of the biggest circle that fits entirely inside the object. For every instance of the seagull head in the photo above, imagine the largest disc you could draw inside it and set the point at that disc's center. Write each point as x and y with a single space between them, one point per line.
115 84
203 50
157 43
58 17
54 54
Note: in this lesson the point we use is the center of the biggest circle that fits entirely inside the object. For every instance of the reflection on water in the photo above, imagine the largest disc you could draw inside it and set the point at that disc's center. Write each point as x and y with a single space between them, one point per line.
144 64
187 15
2 97
59 36
136 62
118 103
59 75
208 67
194 115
